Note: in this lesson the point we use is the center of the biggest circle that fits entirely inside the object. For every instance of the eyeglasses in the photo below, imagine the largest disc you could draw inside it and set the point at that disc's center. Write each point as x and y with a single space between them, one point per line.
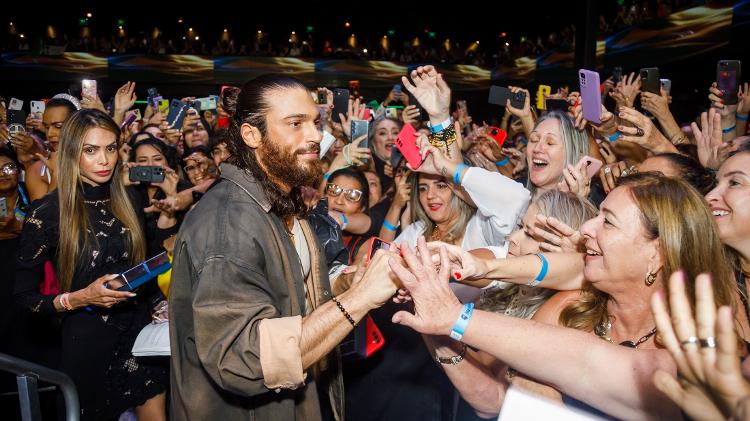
9 169
352 195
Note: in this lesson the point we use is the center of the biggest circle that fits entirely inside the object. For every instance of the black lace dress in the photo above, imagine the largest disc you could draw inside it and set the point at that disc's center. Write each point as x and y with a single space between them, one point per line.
96 341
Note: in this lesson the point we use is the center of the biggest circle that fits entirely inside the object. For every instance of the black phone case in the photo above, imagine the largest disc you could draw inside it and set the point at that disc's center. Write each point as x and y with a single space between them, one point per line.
650 80
500 95
340 103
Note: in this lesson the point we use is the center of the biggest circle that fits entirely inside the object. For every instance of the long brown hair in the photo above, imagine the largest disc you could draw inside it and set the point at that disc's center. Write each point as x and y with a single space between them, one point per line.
457 207
74 220
676 214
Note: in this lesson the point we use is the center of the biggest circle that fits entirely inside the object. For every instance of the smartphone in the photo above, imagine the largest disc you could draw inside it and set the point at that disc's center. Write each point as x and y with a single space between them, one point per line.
650 80
617 74
354 87
396 157
322 97
391 112
728 80
146 174
3 207
500 95
461 105
592 165
557 105
163 105
177 112
375 245
367 115
498 134
590 95
360 128
129 119
137 113
340 103
138 275
666 85
37 107
15 104
397 88
406 143
363 342
153 97
16 121
205 104
326 143
88 88
540 93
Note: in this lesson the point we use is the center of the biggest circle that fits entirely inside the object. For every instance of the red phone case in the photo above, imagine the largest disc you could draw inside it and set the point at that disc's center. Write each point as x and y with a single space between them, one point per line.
406 142
499 135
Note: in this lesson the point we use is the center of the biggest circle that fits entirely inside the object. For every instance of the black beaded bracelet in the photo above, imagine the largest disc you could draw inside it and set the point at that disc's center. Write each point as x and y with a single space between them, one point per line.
346 313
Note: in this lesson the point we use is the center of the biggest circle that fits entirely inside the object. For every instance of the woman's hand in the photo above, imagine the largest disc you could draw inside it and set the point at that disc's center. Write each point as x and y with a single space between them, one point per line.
712 150
99 295
658 105
610 173
576 181
517 159
124 152
24 143
436 307
606 151
743 106
169 185
351 155
431 91
410 114
125 98
403 190
92 103
711 384
643 132
464 266
356 111
125 174
627 90
558 236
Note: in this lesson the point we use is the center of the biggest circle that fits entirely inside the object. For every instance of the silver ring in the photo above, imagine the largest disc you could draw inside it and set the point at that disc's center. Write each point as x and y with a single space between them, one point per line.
709 342
692 340
607 170
639 132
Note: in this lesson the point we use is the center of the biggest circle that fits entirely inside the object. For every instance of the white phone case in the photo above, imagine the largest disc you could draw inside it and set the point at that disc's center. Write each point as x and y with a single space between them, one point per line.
326 143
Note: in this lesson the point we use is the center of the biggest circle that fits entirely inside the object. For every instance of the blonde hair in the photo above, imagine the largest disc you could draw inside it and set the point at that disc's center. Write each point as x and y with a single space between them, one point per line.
73 211
575 142
676 214
457 206
569 208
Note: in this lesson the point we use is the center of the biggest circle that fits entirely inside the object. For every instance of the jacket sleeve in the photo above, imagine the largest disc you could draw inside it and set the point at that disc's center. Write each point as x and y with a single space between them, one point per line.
242 342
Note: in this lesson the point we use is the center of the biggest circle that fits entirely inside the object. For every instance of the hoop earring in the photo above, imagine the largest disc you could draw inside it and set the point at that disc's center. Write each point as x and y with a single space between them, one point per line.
650 279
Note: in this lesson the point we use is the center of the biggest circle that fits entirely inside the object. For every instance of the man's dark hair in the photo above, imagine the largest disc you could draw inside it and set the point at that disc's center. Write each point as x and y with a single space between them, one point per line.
251 107
60 102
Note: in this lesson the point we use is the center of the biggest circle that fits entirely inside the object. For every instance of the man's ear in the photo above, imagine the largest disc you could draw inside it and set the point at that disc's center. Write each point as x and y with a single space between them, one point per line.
250 135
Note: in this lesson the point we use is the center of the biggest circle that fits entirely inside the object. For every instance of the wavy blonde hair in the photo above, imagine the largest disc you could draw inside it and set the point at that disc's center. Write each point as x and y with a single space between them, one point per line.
73 243
676 214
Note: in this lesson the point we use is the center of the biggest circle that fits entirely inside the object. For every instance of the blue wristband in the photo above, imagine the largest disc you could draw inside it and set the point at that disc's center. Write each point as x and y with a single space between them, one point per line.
326 176
502 163
542 273
741 117
463 321
344 221
729 129
457 174
389 226
614 137
441 126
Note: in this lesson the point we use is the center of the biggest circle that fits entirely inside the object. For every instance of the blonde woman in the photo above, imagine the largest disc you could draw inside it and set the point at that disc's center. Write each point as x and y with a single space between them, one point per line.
91 229
595 349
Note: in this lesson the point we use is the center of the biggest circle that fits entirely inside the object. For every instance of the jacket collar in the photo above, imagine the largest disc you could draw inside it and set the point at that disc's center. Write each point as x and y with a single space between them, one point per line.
247 183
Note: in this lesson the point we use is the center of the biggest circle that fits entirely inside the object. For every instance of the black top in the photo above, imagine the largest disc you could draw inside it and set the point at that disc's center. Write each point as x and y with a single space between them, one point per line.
96 341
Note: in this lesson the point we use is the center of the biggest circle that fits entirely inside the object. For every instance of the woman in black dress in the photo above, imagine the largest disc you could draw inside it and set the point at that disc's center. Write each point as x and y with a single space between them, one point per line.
91 228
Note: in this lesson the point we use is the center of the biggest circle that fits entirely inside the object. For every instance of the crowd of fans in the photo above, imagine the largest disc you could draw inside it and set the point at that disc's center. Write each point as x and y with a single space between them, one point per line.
588 248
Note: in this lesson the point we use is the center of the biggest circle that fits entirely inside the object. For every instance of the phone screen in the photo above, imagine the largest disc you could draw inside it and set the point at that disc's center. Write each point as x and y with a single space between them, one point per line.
376 245
728 81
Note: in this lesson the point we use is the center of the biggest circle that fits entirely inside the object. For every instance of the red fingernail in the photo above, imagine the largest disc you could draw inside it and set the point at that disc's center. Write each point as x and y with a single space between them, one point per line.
457 275
401 252
721 93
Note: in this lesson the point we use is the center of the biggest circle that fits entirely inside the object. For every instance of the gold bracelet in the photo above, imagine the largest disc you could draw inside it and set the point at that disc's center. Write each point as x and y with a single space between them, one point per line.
445 137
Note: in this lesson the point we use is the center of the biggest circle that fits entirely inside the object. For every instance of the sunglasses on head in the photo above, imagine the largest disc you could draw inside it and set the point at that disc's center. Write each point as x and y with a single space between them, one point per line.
352 195
9 169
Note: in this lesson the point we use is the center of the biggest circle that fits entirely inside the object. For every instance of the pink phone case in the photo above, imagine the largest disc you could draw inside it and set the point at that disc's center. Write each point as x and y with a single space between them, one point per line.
590 95
592 165
406 142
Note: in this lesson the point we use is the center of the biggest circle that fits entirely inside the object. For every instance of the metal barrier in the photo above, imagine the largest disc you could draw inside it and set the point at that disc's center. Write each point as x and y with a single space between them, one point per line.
27 376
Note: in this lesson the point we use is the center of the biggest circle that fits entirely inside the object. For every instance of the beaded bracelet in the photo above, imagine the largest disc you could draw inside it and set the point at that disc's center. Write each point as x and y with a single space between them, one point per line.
346 313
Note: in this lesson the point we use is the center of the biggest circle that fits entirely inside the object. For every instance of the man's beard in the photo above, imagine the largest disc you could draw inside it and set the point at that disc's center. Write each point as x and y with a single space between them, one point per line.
282 165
